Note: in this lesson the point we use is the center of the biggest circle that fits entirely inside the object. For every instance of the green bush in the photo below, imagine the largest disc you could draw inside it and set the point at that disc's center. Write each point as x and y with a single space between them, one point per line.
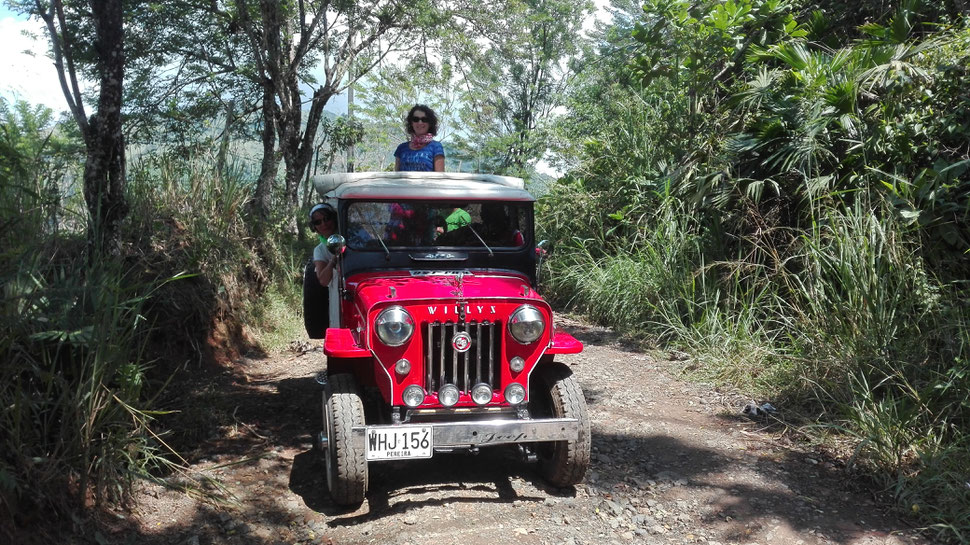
790 206
75 417
87 344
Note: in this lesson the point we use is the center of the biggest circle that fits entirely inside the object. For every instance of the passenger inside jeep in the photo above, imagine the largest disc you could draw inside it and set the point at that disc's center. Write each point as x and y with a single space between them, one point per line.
494 229
376 226
455 217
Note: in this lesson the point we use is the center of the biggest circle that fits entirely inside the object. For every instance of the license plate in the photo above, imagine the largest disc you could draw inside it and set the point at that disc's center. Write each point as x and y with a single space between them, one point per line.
397 443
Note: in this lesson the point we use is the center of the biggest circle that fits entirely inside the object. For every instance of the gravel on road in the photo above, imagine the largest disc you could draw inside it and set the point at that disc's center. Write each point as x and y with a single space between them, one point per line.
673 462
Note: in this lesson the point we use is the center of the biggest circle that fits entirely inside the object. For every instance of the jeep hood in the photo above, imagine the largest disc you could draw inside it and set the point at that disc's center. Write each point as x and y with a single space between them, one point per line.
417 286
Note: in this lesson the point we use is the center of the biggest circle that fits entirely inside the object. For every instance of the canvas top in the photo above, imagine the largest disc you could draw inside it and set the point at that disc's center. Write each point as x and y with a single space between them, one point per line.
421 185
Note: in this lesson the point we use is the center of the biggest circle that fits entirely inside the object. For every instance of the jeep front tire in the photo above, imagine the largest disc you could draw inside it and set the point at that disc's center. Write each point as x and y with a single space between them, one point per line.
556 394
346 463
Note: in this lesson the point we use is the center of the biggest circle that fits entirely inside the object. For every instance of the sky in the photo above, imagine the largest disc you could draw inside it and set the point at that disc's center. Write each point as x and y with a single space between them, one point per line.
23 75
27 74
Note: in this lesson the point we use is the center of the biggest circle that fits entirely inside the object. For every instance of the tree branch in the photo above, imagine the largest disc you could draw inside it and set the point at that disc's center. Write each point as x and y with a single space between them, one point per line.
60 45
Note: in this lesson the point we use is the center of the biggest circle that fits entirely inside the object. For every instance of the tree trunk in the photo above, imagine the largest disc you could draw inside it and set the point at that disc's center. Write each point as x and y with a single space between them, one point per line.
291 121
104 167
263 196
225 140
351 152
297 148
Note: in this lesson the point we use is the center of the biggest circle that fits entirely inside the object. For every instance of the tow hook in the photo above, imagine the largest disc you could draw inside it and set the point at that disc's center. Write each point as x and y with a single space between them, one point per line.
528 455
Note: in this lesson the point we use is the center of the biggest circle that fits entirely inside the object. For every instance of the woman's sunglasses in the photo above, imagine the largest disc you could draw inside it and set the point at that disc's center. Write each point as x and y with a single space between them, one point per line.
414 119
321 220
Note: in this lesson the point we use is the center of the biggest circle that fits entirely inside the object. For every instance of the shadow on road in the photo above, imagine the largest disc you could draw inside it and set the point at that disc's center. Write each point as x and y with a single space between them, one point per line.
260 417
399 487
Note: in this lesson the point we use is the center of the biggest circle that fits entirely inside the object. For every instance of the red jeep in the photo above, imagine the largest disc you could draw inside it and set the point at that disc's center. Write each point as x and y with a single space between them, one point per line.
434 306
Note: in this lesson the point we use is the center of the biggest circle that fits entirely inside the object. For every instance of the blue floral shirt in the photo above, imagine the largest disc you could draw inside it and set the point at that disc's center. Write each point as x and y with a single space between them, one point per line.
420 160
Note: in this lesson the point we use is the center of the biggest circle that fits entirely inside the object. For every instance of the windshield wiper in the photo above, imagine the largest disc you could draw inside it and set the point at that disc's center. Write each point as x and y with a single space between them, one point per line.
387 253
480 239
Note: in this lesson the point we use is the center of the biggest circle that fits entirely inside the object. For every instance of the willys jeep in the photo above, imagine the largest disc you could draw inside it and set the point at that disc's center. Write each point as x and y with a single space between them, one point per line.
434 317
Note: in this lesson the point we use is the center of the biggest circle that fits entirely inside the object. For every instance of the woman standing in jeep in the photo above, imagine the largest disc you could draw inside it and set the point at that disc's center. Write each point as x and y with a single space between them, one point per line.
422 153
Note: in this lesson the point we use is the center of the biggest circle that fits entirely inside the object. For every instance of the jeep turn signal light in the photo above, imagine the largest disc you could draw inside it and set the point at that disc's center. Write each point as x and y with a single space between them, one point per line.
448 395
413 396
482 393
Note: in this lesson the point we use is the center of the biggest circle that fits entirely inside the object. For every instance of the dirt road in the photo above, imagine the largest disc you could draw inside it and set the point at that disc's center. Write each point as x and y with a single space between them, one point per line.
672 463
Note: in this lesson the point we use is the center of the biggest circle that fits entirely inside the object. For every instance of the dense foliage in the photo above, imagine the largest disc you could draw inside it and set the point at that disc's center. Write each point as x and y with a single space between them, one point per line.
786 196
88 345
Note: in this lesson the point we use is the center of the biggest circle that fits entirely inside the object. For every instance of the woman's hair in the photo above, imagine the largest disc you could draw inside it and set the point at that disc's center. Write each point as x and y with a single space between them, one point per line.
432 119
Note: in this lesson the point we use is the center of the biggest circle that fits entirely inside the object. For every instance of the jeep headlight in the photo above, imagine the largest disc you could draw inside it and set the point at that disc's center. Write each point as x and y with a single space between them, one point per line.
394 326
526 324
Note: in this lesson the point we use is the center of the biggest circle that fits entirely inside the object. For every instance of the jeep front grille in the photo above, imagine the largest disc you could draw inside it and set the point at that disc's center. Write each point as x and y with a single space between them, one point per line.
445 365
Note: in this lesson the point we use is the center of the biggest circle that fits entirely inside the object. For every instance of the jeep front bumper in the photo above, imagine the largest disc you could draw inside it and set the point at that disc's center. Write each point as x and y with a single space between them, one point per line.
480 433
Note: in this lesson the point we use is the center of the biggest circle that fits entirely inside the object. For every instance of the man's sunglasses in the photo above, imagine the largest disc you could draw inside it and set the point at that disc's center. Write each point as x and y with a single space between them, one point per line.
414 119
321 220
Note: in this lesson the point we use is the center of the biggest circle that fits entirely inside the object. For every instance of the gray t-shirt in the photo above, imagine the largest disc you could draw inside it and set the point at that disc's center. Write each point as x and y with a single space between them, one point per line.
321 253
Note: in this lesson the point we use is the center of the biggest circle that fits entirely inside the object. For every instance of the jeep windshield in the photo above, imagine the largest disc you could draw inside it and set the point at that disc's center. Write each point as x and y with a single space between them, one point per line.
383 225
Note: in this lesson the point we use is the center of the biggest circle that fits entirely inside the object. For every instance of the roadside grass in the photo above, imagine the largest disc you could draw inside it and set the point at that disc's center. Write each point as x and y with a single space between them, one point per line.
195 220
78 424
847 324
278 318
89 346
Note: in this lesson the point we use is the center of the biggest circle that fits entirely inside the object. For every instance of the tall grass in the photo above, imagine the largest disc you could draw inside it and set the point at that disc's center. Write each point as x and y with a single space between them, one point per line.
185 217
844 319
88 345
863 298
198 213
889 346
658 285
76 427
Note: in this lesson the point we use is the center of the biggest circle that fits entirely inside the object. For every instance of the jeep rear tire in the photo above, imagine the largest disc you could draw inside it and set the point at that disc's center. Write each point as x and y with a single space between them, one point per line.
556 394
346 463
316 304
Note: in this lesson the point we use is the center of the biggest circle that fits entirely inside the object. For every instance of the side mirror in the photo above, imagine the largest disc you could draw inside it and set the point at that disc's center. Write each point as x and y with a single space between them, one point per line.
541 250
336 244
